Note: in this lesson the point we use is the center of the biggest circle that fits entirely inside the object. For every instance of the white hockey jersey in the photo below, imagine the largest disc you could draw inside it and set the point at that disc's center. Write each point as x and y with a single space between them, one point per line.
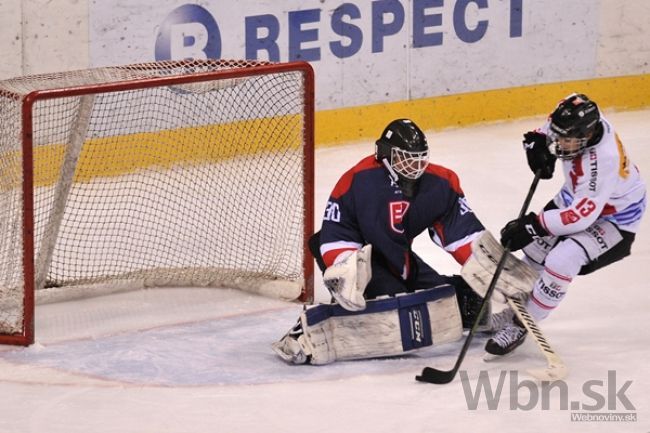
600 183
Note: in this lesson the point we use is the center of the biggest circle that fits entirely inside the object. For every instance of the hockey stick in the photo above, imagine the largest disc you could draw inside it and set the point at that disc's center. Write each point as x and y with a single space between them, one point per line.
555 369
433 375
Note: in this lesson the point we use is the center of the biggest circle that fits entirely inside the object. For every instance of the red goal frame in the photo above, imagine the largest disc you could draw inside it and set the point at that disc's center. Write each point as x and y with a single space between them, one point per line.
27 336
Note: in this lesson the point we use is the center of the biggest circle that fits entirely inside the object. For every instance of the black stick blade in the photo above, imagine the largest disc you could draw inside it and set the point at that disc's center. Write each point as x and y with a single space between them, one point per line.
439 377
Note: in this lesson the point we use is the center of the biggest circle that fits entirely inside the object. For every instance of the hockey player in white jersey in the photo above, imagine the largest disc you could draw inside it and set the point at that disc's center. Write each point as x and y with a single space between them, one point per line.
589 224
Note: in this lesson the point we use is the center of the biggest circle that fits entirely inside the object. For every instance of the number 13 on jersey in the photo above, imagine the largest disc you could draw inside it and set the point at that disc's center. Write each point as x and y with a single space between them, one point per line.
585 207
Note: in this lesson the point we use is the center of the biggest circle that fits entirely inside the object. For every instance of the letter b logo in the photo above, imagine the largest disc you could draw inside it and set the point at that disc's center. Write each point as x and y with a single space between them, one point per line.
188 32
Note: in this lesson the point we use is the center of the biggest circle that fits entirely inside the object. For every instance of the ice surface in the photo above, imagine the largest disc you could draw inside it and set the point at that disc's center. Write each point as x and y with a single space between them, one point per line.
198 360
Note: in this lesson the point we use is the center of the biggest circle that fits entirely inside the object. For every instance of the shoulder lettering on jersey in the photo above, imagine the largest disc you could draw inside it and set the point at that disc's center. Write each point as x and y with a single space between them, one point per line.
464 206
332 212
593 169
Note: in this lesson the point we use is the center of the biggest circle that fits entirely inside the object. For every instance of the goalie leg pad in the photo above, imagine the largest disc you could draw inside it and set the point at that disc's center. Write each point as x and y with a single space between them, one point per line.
387 327
517 277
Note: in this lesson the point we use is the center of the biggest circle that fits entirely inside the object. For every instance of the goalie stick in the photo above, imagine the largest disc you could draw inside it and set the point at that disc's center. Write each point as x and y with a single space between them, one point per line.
555 369
433 375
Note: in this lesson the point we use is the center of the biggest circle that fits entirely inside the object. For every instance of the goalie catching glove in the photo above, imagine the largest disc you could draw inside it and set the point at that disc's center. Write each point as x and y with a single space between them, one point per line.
348 277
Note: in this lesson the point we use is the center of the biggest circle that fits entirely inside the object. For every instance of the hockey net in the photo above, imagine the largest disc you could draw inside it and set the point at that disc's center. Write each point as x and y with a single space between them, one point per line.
189 173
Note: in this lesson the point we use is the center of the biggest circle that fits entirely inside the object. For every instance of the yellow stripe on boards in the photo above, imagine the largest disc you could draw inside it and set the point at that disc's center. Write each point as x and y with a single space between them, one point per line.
127 153
366 122
117 155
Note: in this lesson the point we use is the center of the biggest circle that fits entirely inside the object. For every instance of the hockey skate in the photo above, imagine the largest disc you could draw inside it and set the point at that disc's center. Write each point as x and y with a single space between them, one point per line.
500 319
290 347
510 336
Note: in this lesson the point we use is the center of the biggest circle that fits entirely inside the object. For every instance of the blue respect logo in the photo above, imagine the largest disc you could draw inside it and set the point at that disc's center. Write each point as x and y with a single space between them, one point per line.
191 31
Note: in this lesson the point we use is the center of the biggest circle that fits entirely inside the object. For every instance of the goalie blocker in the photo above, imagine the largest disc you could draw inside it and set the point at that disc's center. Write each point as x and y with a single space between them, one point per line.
386 327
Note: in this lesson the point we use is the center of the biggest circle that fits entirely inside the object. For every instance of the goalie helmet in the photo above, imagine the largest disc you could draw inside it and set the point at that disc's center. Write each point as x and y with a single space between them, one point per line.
404 148
574 125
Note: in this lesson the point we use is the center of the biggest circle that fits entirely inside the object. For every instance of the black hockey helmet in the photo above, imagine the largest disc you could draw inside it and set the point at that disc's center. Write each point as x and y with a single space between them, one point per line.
575 121
404 150
405 147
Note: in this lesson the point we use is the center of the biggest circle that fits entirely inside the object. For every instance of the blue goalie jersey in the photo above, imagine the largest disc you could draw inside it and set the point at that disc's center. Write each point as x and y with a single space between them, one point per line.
368 207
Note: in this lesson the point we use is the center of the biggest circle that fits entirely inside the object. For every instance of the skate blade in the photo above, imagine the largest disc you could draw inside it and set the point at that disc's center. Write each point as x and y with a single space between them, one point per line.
490 357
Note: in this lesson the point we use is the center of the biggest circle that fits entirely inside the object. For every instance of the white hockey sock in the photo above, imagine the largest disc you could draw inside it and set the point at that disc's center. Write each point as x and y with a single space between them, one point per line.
547 294
562 264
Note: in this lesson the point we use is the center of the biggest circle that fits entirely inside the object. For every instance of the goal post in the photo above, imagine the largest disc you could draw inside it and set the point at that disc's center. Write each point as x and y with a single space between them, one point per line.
196 173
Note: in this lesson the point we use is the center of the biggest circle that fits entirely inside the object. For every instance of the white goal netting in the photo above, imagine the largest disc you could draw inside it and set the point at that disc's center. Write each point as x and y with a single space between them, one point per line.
140 179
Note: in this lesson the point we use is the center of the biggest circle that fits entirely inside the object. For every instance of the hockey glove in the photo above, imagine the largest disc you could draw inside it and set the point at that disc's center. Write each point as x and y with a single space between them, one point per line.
538 155
520 232
348 277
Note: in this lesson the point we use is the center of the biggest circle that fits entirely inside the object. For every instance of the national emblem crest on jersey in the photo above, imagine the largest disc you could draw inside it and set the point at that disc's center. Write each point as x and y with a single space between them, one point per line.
397 210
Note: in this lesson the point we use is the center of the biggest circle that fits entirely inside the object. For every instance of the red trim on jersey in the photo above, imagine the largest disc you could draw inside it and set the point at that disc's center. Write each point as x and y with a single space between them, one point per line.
437 226
344 183
462 253
608 210
576 172
447 174
331 255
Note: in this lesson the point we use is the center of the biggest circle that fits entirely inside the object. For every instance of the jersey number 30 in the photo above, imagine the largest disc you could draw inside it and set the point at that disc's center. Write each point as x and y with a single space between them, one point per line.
332 212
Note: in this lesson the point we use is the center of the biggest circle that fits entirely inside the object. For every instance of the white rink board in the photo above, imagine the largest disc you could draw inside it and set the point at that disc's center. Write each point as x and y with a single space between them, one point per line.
365 52
560 41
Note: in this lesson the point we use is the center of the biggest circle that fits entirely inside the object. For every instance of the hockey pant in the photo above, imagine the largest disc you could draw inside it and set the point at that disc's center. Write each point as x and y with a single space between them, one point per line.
560 259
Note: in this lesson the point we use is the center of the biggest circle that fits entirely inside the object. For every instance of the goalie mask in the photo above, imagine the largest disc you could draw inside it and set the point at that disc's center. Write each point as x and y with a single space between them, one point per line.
575 124
403 149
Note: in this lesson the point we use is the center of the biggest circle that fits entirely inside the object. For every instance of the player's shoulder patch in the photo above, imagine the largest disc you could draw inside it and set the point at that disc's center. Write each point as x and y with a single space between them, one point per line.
446 174
344 183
